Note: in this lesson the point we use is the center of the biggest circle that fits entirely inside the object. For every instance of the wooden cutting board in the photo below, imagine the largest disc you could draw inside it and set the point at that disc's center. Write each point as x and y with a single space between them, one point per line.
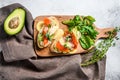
45 52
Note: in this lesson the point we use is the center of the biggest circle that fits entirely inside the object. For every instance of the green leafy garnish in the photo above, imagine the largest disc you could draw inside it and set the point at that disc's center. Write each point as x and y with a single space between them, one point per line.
90 18
83 24
86 42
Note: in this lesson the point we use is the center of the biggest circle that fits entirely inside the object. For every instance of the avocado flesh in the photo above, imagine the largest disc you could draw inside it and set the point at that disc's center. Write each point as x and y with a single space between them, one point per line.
11 26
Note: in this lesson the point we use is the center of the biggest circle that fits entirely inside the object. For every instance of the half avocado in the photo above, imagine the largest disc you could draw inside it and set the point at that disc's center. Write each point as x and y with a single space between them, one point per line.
15 21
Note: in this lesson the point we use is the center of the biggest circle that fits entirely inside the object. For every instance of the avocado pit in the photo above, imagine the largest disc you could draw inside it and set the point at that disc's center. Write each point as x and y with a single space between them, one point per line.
14 23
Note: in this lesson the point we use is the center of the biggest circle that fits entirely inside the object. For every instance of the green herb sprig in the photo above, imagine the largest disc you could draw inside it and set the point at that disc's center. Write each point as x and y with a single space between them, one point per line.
101 48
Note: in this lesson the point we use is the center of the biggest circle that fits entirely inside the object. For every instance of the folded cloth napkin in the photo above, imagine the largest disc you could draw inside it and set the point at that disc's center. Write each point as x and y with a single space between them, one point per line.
20 46
18 60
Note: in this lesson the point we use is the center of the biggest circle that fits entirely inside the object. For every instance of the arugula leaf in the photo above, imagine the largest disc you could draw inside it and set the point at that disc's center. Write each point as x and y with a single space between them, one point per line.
90 41
77 18
92 32
69 22
90 18
84 42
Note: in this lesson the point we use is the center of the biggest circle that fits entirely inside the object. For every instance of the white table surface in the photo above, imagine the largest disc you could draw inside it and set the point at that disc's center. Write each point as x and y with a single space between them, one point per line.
106 13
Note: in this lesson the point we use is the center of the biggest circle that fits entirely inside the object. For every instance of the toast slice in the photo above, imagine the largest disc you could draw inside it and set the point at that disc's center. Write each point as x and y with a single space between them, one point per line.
66 43
46 29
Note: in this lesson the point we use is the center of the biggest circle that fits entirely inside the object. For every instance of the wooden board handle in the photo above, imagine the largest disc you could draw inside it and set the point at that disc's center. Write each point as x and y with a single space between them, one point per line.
103 32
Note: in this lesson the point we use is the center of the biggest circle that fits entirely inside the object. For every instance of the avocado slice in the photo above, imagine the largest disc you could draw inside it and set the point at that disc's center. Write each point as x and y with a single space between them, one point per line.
14 23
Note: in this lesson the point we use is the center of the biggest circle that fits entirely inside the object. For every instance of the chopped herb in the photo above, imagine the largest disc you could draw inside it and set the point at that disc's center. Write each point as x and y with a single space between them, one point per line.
49 36
68 38
40 37
65 45
49 25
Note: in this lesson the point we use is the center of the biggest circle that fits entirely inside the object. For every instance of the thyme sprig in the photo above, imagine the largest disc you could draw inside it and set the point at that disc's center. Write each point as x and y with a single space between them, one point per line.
101 49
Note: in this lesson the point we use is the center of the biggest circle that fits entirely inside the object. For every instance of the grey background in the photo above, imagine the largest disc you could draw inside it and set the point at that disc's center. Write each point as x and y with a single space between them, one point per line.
106 13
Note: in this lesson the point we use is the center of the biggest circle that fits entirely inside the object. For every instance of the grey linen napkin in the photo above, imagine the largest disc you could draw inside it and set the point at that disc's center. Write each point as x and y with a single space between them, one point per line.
18 60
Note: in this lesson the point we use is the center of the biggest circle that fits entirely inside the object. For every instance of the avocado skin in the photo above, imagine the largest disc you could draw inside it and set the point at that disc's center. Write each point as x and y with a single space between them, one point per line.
20 13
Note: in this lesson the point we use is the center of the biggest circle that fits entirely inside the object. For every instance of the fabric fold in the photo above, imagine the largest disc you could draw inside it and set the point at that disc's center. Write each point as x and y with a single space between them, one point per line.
0 48
19 46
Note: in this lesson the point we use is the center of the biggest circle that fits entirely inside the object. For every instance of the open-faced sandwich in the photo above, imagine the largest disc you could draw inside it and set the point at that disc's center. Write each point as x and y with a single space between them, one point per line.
46 30
67 42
